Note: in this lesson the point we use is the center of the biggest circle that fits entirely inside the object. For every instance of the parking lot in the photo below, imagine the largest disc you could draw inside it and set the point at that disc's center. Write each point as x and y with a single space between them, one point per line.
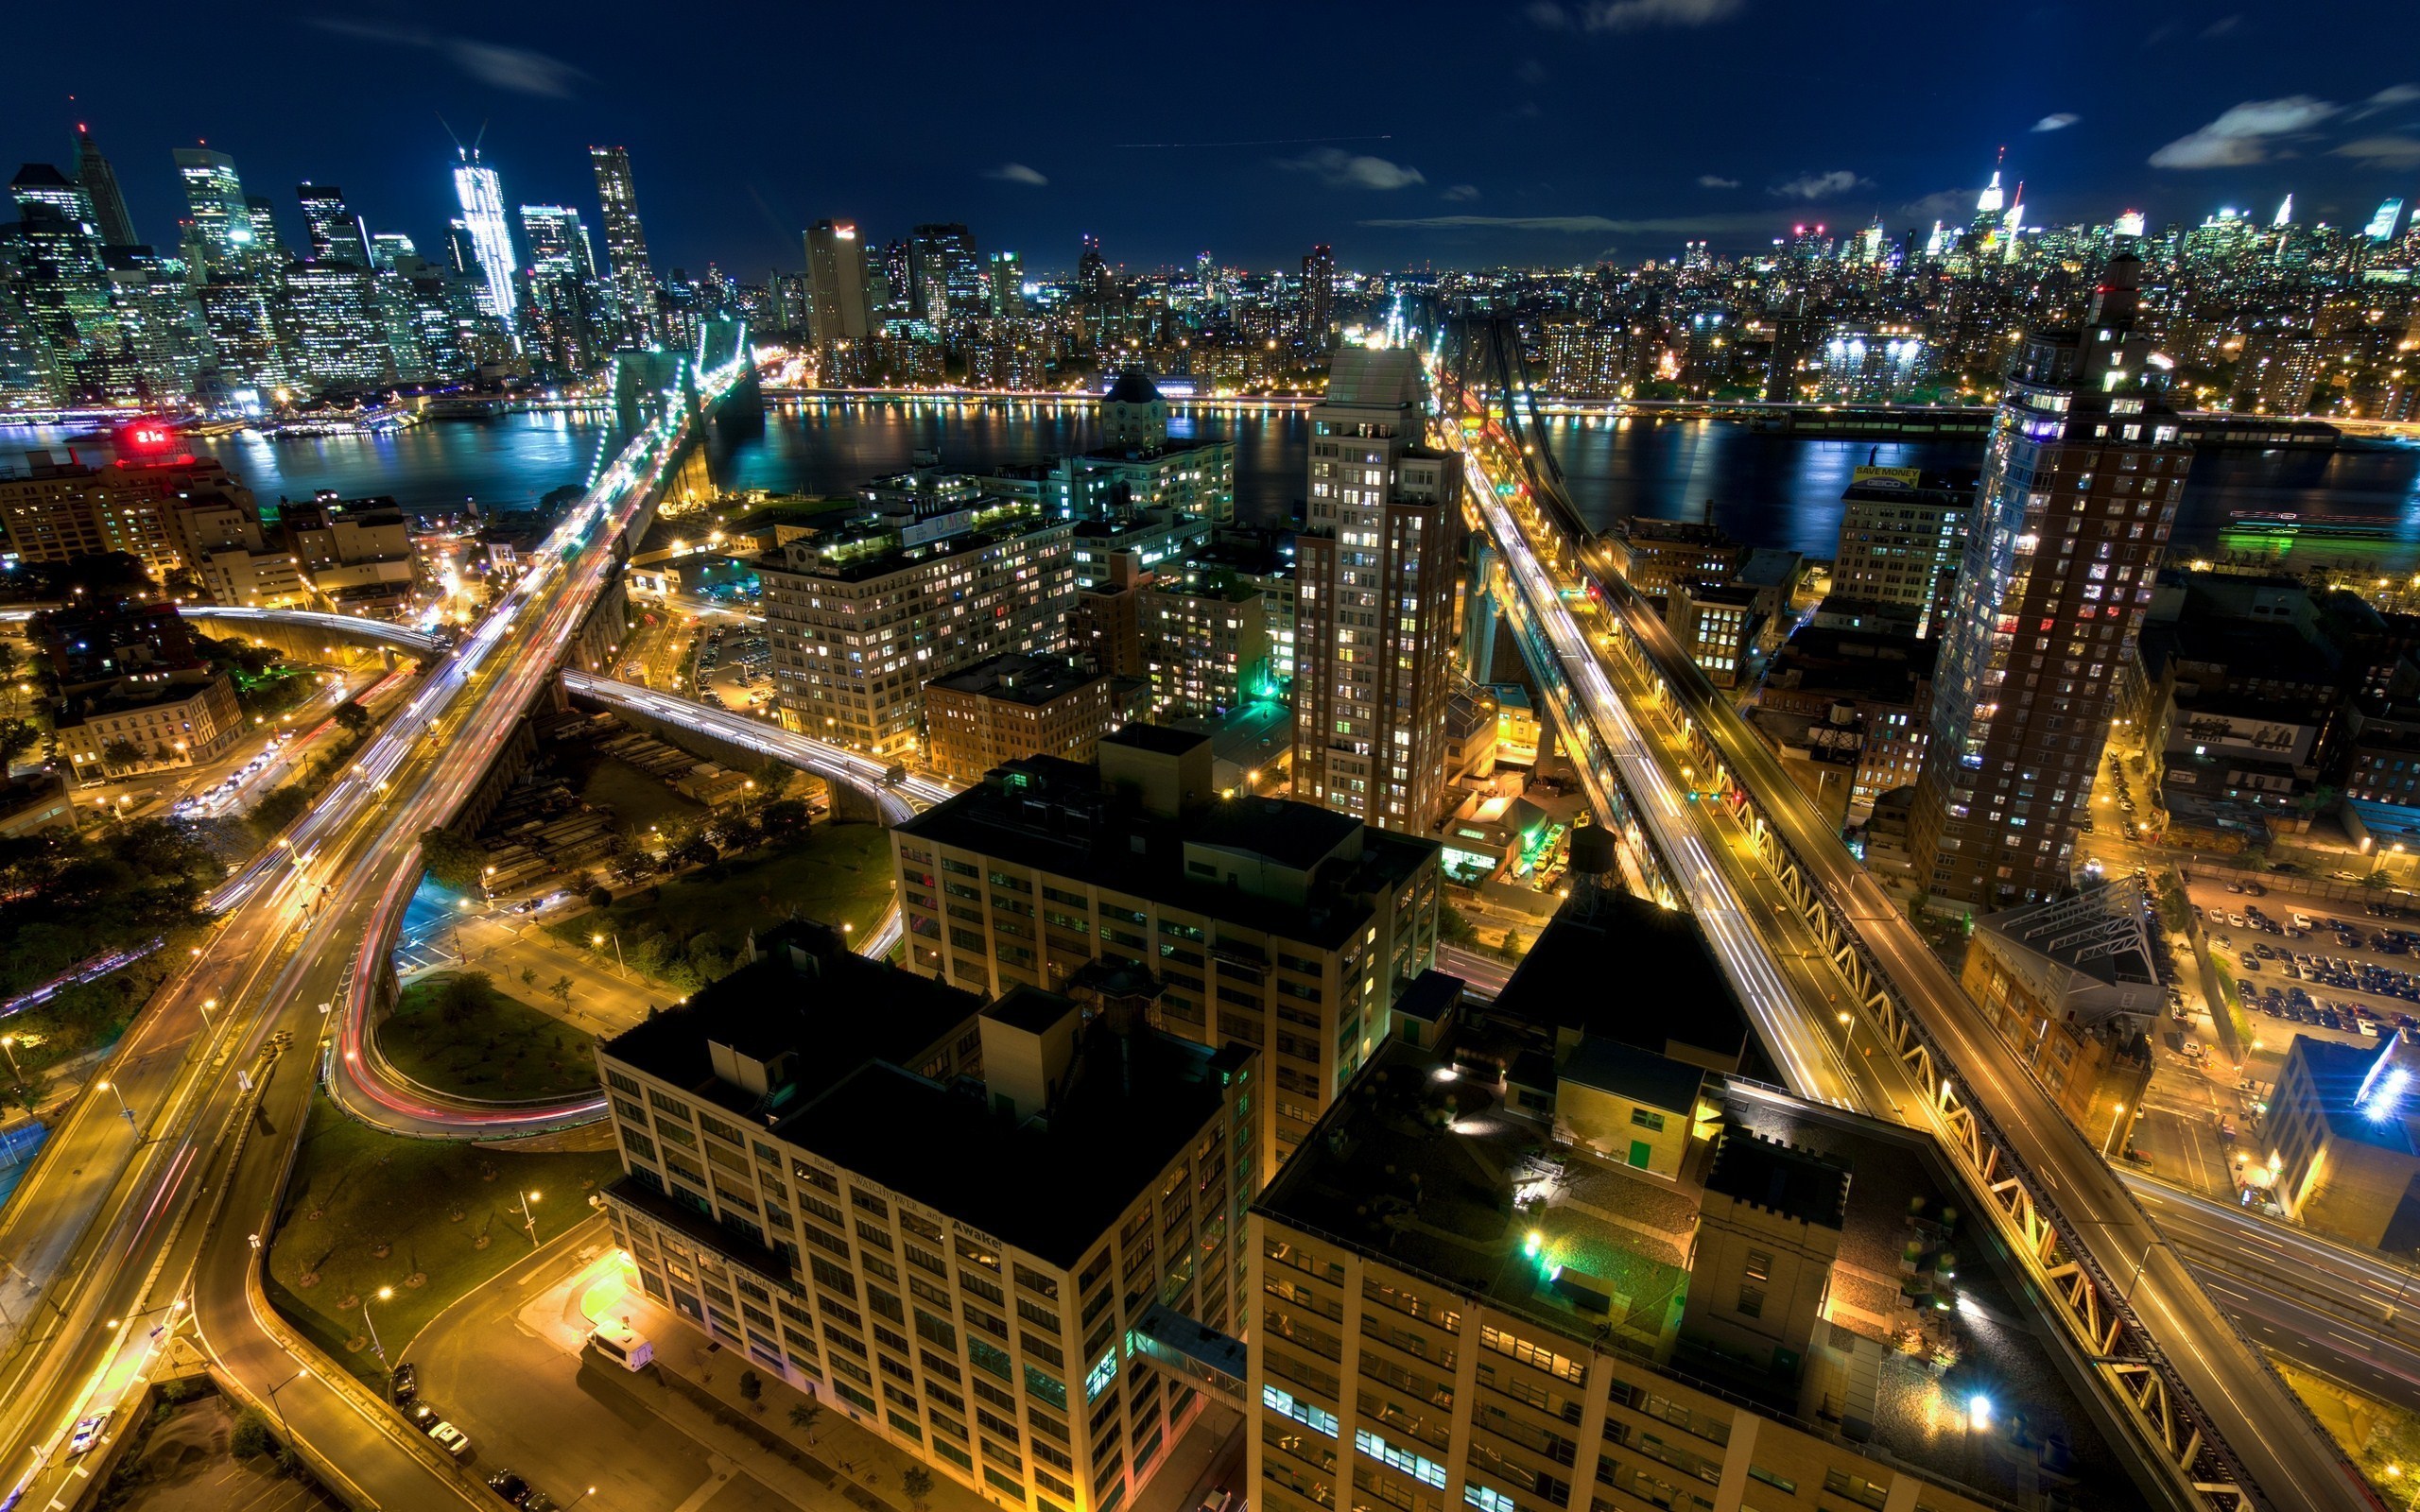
2335 969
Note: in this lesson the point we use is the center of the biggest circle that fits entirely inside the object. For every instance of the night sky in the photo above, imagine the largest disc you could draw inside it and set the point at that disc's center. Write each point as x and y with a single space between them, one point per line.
1461 135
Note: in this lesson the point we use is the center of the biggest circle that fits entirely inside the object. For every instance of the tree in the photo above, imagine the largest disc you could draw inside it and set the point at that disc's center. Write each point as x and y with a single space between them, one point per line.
17 737
600 897
121 752
751 1386
251 1434
784 818
804 1414
452 859
2378 880
918 1483
351 717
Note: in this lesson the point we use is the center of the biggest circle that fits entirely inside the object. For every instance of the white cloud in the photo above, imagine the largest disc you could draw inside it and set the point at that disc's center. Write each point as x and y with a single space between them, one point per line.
2384 151
2386 99
514 68
1015 173
2221 27
1821 185
1715 181
1339 169
2057 122
2244 133
1630 15
1941 204
1462 192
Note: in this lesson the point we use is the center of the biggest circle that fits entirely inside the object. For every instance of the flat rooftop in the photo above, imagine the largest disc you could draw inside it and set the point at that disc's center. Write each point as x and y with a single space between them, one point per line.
1049 1187
1622 969
1018 678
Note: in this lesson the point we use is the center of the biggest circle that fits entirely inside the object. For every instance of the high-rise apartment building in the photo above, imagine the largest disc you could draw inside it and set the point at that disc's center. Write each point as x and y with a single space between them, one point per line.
480 191
1319 294
836 283
1255 920
625 244
336 234
973 1278
1375 597
99 183
1006 273
1902 535
2080 485
934 577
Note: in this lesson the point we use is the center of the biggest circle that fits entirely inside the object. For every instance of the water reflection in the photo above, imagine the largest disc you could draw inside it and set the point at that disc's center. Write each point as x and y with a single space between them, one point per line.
1766 488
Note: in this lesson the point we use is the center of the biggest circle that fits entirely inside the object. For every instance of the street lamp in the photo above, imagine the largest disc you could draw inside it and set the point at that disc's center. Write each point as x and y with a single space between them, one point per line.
598 941
2116 1115
8 1045
384 1294
111 1088
208 1003
528 1219
279 1407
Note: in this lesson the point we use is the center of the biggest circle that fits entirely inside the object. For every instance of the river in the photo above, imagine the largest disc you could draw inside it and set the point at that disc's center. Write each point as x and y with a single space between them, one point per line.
1766 489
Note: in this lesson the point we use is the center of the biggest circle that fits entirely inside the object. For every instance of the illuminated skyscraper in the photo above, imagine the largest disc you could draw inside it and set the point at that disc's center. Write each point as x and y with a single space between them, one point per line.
836 283
336 234
568 313
481 194
1319 294
99 183
1008 285
2080 491
2382 227
338 336
944 277
1375 597
39 184
625 242
222 217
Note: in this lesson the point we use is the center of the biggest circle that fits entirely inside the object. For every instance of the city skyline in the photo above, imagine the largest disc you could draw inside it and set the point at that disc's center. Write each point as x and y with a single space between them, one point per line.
2217 109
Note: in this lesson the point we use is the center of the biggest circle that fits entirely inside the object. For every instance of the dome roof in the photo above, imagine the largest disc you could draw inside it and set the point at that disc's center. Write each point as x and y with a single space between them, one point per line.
1132 387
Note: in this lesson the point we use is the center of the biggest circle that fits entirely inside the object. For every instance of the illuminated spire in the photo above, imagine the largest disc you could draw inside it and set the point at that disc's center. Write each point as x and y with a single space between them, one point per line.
1994 198
2285 212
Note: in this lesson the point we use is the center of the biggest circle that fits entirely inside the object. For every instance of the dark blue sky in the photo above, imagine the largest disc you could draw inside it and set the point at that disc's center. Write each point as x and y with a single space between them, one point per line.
1407 132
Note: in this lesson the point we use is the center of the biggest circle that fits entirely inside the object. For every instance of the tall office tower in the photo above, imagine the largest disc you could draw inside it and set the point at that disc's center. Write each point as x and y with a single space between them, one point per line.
1007 272
481 194
567 314
99 183
625 242
55 271
389 247
2382 226
836 283
944 276
39 184
1092 272
1373 649
2080 485
1319 294
222 217
336 234
337 333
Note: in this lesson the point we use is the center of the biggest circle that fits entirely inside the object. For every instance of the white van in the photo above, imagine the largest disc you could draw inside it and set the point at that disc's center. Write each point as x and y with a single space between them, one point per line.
622 1345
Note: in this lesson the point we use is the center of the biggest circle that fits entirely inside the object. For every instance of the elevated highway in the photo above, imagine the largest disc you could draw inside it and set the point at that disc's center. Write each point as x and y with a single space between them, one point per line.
2217 1427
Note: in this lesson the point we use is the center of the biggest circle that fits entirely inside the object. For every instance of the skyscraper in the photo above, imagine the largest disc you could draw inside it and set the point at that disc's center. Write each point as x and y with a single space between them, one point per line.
336 234
1375 567
625 242
2080 491
1319 294
2382 226
222 217
39 184
481 194
1008 285
99 183
944 277
567 315
836 283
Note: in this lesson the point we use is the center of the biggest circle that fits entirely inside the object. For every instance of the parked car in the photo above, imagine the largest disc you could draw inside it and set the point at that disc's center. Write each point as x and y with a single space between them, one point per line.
515 1490
402 1384
451 1439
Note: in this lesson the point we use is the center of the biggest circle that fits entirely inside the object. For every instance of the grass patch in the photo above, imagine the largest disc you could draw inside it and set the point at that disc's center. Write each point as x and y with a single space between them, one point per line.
637 799
430 1218
458 1032
2373 1434
839 874
2230 1000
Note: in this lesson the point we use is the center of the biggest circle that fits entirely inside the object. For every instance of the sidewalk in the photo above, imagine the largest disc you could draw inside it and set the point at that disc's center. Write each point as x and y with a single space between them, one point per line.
833 1467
